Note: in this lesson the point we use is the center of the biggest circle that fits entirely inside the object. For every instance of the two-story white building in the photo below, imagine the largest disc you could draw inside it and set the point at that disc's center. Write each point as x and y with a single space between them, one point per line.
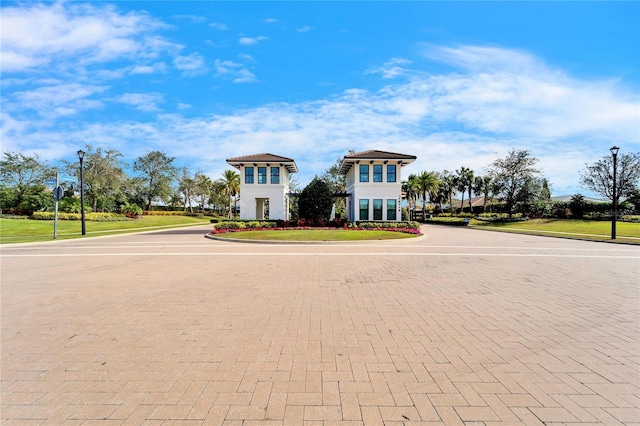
374 184
264 185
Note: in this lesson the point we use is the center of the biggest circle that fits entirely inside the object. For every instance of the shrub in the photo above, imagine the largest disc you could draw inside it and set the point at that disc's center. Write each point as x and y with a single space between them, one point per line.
94 217
131 210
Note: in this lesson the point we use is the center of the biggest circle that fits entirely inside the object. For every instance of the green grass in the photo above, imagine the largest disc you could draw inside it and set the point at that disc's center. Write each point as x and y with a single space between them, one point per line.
25 230
316 235
566 228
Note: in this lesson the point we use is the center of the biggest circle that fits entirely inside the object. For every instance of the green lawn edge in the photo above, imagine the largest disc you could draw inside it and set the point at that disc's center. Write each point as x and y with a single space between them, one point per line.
17 231
593 230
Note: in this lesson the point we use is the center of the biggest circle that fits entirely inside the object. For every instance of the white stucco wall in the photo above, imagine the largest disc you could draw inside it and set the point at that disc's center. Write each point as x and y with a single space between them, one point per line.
373 190
254 193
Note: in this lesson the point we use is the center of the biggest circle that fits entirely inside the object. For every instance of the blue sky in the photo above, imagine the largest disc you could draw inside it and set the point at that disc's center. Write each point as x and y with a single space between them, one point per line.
454 83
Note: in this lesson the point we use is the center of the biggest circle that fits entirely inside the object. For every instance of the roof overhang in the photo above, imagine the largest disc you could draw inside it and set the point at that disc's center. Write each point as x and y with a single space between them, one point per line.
370 157
267 159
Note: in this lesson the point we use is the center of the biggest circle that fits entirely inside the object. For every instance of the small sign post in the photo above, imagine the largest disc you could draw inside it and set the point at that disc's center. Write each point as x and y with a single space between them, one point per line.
58 193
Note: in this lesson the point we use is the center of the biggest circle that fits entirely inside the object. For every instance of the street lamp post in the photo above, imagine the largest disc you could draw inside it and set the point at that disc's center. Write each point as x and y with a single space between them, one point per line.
614 153
81 157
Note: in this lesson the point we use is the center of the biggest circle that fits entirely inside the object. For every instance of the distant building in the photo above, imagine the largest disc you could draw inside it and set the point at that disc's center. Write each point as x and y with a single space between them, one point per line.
374 184
264 185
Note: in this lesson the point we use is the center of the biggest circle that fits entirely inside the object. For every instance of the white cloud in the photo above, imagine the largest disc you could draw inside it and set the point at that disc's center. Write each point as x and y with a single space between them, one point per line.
234 71
270 21
192 18
147 102
58 100
67 35
466 117
219 26
247 41
392 68
158 67
190 65
304 29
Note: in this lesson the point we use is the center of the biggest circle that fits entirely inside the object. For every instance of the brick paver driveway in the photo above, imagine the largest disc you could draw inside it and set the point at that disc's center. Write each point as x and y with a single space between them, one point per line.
460 326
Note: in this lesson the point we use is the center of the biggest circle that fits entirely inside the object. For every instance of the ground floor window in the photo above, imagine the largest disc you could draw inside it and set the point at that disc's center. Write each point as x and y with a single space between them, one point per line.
364 209
377 209
391 209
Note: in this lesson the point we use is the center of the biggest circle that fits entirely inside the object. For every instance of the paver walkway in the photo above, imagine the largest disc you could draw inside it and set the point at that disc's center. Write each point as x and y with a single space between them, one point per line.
462 326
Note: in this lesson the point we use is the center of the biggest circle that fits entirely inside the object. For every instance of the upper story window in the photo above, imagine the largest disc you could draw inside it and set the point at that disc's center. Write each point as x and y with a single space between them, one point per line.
248 175
391 173
262 175
275 175
377 172
364 173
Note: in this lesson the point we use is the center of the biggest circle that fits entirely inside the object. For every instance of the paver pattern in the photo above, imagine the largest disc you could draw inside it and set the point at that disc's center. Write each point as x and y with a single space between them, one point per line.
458 327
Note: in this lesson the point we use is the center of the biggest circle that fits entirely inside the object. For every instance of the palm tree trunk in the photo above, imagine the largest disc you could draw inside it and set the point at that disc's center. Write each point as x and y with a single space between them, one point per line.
230 206
462 203
470 206
424 206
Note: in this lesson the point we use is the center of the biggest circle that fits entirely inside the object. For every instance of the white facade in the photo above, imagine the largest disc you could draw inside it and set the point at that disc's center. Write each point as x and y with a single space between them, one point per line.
374 185
264 186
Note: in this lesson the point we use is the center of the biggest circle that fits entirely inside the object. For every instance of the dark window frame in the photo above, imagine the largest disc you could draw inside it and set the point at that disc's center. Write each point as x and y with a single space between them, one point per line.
249 177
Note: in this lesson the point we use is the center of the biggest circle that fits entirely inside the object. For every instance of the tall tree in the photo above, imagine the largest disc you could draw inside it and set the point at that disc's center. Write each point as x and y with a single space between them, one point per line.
158 172
464 179
428 185
336 183
230 184
411 188
515 178
598 177
103 176
187 188
203 189
23 175
316 200
448 185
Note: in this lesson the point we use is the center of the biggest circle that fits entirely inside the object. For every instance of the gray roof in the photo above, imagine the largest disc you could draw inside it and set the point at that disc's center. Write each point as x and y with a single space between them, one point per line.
372 155
267 158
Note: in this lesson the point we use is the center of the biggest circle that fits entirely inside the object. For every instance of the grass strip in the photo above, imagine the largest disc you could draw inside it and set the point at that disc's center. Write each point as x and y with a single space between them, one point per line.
25 230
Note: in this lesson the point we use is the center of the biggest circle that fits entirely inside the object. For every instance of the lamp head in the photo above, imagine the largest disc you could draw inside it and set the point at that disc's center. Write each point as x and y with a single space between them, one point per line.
614 150
80 154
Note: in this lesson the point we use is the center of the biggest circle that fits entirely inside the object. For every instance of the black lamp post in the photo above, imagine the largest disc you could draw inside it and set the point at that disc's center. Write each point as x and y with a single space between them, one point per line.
81 157
614 153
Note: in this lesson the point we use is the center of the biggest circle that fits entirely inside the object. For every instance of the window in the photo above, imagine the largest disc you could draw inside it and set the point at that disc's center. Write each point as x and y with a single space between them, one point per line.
275 175
377 209
262 175
248 175
364 173
364 209
391 209
391 172
377 172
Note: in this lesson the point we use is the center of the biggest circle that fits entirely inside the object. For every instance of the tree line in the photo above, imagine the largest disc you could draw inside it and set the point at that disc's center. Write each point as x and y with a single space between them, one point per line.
514 184
109 188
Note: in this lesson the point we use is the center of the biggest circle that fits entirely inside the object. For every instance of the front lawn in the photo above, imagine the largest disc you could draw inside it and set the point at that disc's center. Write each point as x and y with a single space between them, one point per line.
567 228
27 230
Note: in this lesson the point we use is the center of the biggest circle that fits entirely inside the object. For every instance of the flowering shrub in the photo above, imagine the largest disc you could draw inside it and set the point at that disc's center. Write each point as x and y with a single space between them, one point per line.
239 226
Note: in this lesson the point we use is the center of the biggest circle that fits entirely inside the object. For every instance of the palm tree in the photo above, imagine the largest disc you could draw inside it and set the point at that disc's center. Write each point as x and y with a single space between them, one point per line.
478 187
428 184
411 189
464 180
230 182
204 186
448 186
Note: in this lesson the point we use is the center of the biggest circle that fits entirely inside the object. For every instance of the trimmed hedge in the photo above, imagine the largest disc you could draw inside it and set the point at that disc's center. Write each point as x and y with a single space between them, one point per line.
94 217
